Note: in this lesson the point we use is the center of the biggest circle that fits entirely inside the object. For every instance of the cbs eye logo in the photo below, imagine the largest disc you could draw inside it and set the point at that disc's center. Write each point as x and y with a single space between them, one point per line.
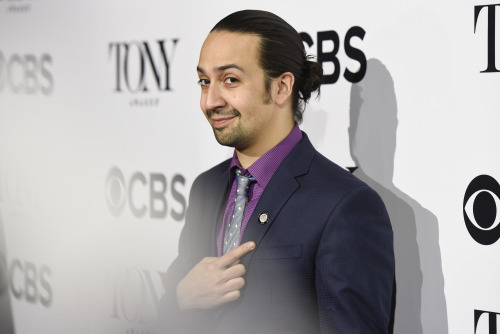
481 209
116 194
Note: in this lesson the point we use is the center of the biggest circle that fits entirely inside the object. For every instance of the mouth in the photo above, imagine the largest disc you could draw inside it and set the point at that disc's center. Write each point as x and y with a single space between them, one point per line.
220 120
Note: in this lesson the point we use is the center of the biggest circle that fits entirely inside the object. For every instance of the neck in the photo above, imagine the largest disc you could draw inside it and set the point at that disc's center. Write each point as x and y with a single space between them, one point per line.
247 160
248 155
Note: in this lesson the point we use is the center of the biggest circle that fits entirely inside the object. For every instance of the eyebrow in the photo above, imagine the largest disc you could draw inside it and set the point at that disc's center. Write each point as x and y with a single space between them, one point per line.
222 68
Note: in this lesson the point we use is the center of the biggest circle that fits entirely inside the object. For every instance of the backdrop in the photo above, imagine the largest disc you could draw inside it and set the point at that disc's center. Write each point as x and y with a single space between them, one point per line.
101 137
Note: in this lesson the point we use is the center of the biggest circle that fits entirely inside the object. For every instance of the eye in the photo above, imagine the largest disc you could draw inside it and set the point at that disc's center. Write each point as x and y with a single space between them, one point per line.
203 82
231 80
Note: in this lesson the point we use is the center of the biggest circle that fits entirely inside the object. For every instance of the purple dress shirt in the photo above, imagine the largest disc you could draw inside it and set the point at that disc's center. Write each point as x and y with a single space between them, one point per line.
262 170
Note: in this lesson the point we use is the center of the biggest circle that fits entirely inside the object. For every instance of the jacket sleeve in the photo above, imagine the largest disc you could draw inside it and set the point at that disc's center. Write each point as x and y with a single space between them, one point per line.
355 266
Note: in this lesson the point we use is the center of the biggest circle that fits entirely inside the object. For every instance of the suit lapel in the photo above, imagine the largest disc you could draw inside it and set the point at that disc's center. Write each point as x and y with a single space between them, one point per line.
274 197
278 191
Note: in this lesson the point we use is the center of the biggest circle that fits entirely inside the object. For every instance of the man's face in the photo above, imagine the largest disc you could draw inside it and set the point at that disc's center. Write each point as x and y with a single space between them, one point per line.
233 95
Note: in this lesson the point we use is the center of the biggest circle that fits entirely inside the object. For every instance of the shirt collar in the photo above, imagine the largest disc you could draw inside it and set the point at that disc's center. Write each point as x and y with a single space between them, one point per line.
263 169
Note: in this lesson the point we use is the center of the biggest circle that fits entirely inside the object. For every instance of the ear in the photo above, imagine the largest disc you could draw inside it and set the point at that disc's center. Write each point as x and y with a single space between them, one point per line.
285 88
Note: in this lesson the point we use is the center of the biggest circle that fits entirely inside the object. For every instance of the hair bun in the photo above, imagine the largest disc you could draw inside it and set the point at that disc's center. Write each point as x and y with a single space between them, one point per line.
312 79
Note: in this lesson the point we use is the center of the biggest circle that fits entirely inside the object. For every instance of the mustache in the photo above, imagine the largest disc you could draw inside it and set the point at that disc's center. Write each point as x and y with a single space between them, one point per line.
222 112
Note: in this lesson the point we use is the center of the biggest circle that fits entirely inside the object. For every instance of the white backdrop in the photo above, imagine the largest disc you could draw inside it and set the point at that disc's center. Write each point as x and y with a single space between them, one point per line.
98 152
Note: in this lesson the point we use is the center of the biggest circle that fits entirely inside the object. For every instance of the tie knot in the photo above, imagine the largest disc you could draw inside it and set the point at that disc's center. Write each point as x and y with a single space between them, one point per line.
244 182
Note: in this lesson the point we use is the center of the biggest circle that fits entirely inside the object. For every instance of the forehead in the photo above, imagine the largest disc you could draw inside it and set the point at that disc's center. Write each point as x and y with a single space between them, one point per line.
222 48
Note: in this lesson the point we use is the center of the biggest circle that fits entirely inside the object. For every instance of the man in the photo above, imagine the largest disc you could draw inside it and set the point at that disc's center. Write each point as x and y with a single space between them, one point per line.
277 239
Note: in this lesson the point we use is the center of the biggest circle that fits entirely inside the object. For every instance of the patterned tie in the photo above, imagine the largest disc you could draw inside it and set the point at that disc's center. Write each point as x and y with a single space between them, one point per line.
232 234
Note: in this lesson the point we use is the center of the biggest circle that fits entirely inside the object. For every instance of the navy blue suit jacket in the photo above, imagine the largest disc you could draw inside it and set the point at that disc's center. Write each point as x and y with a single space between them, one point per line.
324 261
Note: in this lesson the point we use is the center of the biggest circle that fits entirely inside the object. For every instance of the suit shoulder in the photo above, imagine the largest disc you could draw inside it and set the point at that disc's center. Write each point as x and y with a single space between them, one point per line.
330 171
332 178
342 189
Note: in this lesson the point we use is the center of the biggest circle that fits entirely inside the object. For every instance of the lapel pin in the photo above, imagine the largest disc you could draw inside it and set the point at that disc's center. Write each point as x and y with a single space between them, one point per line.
263 218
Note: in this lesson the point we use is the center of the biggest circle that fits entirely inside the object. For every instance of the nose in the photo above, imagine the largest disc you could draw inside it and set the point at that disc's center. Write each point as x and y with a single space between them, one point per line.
213 98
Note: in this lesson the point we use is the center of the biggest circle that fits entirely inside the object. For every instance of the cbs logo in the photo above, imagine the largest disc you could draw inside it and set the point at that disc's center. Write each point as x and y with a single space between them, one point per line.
146 194
481 209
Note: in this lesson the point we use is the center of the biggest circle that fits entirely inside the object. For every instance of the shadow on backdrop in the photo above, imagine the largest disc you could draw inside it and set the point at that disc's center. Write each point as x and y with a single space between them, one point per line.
420 302
6 320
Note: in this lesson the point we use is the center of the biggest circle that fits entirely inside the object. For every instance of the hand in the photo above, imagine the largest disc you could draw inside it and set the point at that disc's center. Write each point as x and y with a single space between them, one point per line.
214 280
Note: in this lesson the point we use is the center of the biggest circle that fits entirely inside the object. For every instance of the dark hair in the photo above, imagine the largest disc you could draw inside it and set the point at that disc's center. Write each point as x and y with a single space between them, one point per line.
281 50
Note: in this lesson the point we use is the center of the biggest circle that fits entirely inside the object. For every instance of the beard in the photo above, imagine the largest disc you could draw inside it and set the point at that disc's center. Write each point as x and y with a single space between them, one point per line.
235 136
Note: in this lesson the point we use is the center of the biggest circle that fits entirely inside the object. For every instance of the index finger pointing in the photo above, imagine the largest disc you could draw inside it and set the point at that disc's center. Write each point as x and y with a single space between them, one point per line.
235 254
